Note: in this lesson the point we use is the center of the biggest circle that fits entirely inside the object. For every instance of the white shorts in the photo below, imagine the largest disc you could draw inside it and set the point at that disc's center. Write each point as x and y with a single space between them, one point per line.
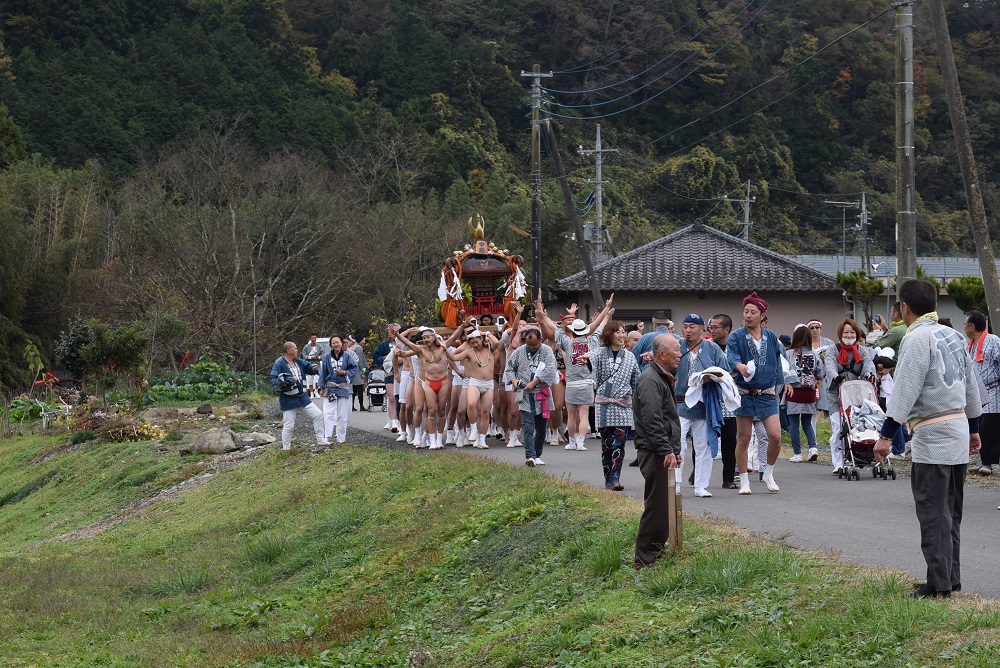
482 385
404 384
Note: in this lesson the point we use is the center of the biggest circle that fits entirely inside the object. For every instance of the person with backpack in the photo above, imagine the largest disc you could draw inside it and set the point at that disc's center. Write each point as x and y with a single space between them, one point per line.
803 395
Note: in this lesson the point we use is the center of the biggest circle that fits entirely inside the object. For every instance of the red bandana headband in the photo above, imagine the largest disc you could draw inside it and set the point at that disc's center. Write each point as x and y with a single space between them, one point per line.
752 298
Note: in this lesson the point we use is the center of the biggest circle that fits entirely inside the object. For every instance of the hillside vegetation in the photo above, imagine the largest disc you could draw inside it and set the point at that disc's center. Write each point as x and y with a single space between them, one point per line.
165 161
368 557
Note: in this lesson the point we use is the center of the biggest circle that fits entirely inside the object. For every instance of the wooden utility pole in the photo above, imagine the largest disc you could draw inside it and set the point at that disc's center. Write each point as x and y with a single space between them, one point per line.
966 160
536 176
588 262
906 197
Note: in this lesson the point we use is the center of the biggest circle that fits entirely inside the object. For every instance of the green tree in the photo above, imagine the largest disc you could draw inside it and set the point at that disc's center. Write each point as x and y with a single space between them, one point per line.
862 288
969 293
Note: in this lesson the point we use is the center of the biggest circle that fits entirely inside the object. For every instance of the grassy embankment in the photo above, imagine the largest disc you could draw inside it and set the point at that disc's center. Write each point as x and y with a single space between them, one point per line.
360 557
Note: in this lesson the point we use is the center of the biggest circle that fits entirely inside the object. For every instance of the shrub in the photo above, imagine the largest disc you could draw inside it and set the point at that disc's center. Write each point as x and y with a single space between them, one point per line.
83 436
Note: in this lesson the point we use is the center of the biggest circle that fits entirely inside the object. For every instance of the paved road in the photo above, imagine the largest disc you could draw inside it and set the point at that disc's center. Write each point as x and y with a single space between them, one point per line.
866 522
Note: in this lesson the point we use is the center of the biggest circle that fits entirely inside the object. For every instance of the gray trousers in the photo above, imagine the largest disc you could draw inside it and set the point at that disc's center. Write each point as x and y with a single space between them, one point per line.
938 491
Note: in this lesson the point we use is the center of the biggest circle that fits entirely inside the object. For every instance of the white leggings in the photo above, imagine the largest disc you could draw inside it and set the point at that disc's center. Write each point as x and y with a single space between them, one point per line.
337 413
288 424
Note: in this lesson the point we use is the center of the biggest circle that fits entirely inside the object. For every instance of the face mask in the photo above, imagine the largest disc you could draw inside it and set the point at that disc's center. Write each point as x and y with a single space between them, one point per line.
848 342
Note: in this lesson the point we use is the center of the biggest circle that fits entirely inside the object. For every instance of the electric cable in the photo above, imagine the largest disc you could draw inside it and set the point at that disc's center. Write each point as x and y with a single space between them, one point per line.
593 66
683 62
657 63
778 75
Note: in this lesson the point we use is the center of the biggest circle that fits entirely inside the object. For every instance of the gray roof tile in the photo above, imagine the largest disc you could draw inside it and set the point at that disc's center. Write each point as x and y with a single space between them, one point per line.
701 258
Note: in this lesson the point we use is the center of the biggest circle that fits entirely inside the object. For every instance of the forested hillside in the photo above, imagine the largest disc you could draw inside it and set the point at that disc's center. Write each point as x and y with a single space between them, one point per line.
165 160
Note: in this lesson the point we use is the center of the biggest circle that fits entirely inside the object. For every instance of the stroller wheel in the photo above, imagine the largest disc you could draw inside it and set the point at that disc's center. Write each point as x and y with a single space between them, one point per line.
885 474
857 474
385 407
875 471
892 474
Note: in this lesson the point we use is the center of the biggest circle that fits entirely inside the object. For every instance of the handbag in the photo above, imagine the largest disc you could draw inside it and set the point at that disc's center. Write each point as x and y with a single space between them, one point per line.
803 395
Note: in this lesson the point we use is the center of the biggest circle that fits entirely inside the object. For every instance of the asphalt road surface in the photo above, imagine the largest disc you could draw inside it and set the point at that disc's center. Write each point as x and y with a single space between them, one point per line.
870 521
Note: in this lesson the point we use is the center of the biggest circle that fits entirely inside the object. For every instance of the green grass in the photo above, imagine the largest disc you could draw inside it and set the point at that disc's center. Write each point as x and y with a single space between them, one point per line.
364 557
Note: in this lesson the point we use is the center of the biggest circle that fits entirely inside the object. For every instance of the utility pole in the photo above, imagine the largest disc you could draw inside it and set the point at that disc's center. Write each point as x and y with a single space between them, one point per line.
864 233
843 214
966 160
906 198
536 176
588 263
746 211
598 154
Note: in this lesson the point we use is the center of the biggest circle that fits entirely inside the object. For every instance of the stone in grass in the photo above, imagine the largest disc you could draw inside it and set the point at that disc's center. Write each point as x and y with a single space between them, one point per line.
256 438
214 442
204 409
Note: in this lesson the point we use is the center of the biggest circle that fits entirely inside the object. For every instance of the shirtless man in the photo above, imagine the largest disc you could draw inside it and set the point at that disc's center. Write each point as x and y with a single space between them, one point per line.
477 356
436 382
401 358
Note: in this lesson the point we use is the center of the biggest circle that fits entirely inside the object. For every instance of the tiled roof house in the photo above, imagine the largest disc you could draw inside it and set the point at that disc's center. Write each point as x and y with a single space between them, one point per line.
700 269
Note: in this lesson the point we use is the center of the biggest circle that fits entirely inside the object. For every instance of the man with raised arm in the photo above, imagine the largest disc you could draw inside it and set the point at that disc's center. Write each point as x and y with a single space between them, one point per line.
477 358
436 381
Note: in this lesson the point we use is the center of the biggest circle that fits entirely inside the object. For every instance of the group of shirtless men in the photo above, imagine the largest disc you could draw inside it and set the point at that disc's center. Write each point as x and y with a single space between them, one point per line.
454 392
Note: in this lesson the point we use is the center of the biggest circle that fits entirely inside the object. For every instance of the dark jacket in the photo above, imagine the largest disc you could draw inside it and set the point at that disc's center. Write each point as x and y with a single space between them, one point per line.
657 426
769 374
331 380
300 398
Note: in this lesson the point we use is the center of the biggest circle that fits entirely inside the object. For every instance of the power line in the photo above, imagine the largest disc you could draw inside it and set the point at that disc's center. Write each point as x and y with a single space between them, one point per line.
779 75
659 93
659 62
683 62
593 66
797 192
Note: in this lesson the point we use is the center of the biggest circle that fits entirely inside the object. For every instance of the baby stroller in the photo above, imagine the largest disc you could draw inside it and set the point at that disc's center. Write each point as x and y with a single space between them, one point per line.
861 419
376 390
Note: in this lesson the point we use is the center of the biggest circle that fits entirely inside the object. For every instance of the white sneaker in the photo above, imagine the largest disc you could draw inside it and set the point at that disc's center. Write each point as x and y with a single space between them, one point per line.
769 481
579 443
513 442
401 437
702 492
539 462
795 458
813 454
571 445
387 425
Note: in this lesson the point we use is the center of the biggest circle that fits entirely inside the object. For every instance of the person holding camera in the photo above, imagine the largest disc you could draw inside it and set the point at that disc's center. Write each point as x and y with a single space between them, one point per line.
288 375
339 369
